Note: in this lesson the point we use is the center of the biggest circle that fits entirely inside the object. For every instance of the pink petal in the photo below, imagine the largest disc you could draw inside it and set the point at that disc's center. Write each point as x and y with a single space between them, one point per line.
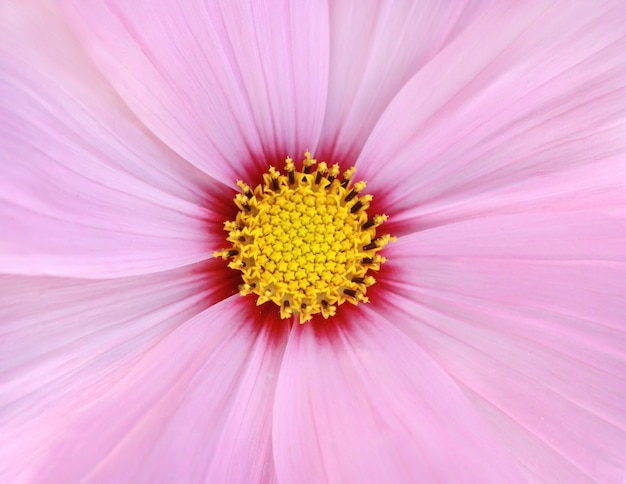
86 191
220 83
63 341
375 47
362 403
244 450
528 90
174 412
599 185
526 311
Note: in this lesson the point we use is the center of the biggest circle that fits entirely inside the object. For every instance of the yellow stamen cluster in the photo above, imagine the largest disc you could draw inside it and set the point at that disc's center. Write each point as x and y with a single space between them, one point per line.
304 241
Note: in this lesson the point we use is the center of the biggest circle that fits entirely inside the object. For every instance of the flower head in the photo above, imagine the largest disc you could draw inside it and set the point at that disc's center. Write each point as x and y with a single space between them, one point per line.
491 346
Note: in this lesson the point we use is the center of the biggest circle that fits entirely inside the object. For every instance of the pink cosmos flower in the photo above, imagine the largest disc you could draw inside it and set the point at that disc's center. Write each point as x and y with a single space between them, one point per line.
493 134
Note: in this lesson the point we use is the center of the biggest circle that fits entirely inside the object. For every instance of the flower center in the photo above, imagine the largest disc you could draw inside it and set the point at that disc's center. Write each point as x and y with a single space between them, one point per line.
303 240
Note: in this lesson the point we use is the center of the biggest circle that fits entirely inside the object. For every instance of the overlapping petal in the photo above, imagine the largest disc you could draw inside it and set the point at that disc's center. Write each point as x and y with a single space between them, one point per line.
161 413
529 90
527 313
64 342
87 191
375 48
363 403
224 84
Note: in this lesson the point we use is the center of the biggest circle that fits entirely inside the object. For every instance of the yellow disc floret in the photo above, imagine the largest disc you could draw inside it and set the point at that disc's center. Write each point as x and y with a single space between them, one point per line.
303 240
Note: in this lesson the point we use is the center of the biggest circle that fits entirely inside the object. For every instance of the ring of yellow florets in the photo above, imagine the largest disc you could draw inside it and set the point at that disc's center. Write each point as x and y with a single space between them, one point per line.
304 241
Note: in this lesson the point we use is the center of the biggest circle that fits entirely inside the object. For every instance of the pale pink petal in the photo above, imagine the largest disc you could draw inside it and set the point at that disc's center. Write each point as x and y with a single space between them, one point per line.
244 451
86 191
160 414
363 403
600 185
526 311
219 82
375 47
64 341
528 90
